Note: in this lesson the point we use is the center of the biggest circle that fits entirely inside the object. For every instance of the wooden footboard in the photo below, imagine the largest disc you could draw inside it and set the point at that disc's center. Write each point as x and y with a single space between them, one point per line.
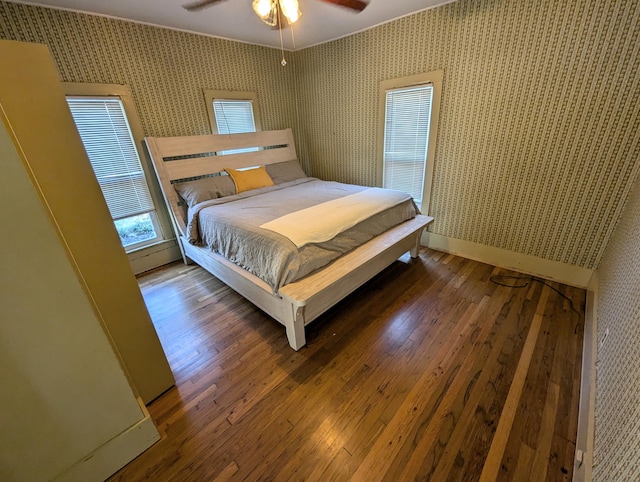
299 303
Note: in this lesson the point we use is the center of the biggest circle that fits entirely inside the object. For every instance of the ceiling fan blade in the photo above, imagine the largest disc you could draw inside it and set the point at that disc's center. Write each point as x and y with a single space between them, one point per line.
194 6
358 5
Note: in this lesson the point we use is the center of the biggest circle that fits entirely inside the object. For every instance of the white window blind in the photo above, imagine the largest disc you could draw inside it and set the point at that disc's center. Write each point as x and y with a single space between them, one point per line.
105 133
406 137
234 117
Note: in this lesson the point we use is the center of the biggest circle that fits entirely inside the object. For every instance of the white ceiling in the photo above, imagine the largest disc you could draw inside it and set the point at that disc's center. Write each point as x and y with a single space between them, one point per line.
235 20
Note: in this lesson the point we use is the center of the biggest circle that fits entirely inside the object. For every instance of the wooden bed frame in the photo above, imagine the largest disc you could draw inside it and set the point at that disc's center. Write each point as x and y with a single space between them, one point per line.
298 303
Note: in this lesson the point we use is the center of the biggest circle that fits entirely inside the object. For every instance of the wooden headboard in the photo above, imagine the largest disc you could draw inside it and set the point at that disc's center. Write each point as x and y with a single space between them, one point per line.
176 158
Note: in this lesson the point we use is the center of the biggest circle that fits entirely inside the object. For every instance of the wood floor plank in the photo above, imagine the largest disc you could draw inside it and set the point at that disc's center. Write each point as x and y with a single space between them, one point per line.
525 463
469 401
494 458
450 408
228 473
479 428
527 422
390 442
543 447
409 377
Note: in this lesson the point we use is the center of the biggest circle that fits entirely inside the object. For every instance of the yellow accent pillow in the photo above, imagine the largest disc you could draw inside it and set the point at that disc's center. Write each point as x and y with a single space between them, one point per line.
250 178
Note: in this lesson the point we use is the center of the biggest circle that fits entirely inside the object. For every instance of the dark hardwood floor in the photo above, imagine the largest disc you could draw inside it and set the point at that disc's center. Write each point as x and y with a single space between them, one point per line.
428 372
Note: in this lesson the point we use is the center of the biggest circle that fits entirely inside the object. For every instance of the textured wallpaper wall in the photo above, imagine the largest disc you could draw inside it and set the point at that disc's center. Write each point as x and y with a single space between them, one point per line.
167 70
617 451
539 124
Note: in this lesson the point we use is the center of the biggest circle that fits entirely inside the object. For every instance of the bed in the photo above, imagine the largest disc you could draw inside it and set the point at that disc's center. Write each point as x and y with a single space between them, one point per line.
292 296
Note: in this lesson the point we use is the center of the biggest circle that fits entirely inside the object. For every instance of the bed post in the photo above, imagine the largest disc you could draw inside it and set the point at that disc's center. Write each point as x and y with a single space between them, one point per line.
413 252
295 328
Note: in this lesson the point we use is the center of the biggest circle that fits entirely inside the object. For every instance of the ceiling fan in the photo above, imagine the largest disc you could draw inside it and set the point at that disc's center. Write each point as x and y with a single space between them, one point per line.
279 13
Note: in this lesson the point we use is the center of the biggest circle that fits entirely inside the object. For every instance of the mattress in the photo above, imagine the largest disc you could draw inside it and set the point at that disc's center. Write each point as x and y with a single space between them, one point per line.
231 227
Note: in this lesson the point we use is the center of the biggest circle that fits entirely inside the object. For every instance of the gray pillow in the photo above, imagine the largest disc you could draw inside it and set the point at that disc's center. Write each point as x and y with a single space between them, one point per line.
285 171
200 190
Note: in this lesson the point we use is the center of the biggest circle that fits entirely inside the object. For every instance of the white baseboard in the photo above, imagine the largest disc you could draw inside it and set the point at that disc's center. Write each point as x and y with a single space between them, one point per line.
522 263
583 465
115 454
149 258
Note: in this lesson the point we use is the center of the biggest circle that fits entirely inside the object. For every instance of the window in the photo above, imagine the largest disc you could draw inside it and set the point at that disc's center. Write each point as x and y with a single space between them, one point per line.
410 106
108 140
406 138
233 116
232 113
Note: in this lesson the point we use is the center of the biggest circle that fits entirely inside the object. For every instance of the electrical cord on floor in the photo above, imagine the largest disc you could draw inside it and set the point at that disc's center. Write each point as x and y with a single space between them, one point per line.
524 282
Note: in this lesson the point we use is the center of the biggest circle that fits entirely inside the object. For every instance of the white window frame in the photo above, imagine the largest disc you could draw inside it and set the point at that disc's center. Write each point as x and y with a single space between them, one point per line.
159 218
211 95
435 79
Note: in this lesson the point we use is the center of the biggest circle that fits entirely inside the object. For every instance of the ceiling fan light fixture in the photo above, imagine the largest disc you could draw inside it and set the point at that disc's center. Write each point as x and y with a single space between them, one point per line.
290 9
267 10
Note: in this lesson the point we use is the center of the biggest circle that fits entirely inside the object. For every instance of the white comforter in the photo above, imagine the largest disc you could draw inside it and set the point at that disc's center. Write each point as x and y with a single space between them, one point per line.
325 221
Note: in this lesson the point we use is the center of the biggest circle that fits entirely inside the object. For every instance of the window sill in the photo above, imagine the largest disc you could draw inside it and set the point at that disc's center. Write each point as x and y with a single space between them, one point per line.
162 242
